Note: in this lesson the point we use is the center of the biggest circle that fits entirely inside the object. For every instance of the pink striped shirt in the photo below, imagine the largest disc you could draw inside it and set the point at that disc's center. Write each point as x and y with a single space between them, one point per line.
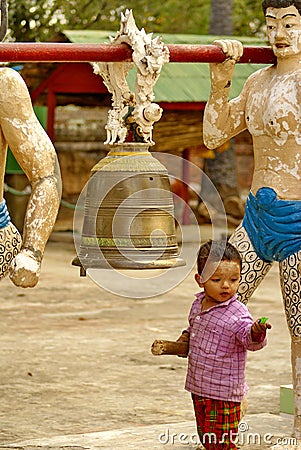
219 340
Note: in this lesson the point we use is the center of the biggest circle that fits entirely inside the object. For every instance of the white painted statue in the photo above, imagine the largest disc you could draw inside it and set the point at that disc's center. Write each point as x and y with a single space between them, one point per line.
33 150
269 107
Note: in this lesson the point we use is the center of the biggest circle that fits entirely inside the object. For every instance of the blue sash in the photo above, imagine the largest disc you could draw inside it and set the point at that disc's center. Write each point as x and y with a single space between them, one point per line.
273 225
4 215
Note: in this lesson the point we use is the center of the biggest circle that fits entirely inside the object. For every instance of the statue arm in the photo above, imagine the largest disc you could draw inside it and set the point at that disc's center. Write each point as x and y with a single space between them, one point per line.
224 119
36 155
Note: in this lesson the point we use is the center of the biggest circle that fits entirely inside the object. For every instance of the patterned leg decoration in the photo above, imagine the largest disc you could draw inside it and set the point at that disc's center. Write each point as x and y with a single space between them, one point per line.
10 244
290 279
254 269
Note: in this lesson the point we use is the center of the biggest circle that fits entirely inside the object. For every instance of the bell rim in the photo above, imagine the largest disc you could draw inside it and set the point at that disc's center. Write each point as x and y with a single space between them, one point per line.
128 264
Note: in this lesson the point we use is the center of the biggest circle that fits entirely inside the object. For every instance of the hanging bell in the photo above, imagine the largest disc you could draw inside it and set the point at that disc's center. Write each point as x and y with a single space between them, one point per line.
128 214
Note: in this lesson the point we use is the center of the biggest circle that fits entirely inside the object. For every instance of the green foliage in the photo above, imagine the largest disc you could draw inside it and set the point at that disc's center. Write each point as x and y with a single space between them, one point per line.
248 18
36 20
172 16
30 20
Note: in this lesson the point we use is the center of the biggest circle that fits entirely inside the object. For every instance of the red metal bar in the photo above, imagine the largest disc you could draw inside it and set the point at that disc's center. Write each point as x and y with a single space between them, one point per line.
212 53
62 52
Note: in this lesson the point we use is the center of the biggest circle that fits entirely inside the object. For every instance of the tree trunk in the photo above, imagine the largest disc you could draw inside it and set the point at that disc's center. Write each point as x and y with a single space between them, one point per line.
221 17
222 169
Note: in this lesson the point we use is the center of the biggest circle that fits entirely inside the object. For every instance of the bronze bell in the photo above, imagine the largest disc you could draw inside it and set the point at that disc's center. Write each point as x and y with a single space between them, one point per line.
129 213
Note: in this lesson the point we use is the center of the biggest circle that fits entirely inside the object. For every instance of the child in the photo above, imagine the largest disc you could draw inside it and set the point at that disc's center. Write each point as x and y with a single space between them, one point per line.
220 332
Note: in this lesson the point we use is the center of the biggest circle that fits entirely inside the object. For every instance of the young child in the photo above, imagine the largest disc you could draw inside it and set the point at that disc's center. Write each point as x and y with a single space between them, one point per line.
220 332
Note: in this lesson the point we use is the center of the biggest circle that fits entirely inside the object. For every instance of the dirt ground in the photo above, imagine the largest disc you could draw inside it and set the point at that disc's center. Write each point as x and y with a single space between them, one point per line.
76 359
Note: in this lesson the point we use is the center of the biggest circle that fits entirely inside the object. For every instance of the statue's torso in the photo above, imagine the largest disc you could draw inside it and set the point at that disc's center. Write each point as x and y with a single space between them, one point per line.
273 117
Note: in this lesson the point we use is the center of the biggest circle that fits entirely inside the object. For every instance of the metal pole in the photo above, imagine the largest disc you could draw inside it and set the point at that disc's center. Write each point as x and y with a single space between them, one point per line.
62 52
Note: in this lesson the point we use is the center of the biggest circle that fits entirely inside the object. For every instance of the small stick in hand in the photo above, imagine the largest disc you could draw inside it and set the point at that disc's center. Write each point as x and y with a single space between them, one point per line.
163 347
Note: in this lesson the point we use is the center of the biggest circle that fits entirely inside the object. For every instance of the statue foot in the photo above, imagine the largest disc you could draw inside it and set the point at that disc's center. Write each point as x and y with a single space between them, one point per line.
25 270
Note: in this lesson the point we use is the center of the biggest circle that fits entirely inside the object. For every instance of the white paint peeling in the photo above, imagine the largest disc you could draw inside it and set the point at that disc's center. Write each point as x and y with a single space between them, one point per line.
278 165
23 261
298 139
22 132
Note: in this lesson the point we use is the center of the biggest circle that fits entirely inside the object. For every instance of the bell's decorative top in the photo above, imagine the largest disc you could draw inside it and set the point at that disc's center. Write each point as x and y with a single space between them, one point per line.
133 113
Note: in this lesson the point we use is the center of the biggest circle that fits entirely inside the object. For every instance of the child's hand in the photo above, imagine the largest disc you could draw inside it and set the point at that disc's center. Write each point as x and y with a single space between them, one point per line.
185 339
259 326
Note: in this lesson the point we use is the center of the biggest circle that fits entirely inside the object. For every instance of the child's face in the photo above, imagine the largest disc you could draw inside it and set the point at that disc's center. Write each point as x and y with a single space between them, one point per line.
223 283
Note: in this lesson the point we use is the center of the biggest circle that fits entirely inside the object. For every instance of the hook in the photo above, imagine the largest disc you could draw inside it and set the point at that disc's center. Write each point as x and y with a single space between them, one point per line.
4 19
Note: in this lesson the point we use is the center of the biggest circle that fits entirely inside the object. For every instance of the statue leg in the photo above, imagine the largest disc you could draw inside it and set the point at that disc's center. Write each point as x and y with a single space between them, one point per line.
10 244
254 269
290 279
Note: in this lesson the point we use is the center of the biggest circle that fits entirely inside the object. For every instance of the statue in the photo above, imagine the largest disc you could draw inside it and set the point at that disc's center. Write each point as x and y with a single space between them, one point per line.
133 112
269 107
32 148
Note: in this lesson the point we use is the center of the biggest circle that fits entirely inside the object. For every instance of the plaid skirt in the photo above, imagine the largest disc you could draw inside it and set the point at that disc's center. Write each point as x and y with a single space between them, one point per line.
217 422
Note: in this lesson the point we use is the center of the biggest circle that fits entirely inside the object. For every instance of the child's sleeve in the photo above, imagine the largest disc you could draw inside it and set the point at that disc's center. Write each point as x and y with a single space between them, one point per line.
193 310
243 327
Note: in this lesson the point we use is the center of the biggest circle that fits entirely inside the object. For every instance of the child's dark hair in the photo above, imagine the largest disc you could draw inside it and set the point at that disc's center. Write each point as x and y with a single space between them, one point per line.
217 251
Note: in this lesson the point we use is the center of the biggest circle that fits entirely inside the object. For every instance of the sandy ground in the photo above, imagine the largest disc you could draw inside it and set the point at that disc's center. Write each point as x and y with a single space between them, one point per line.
76 359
